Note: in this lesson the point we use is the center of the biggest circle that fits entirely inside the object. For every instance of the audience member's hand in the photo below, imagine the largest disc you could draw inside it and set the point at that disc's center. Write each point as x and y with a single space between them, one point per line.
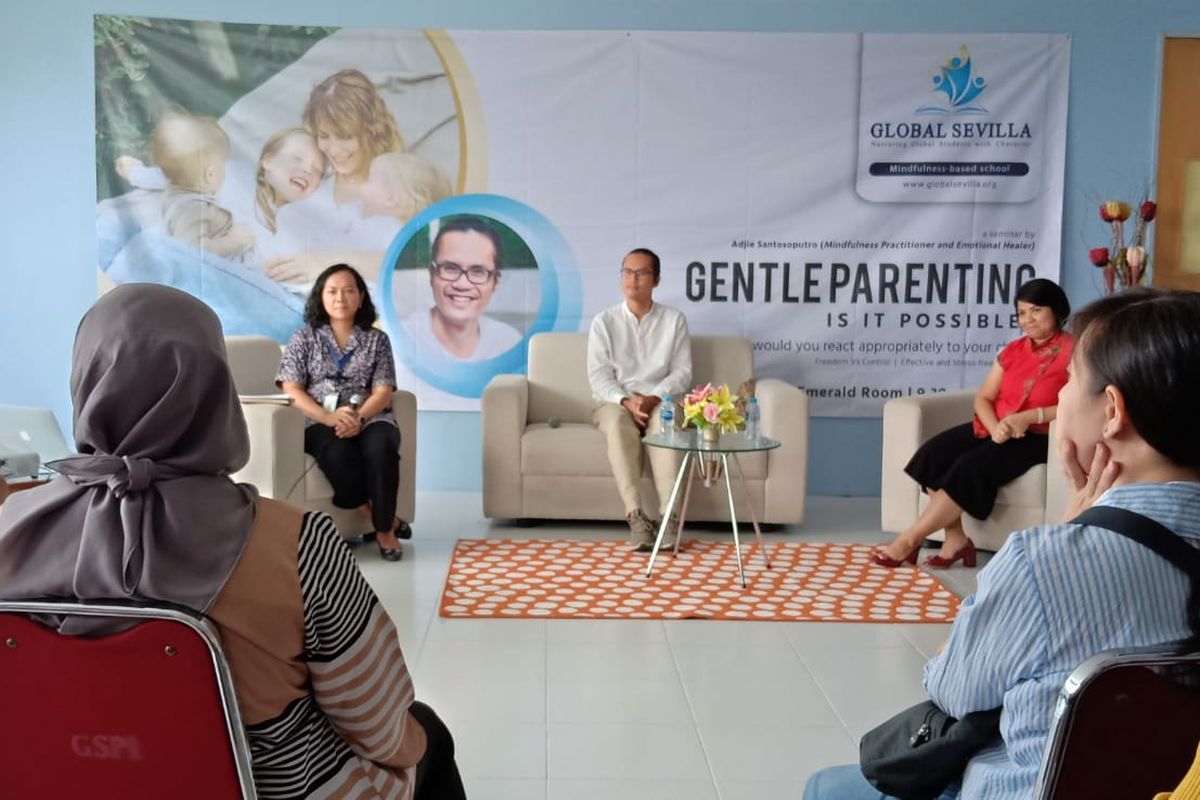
1086 487
1001 433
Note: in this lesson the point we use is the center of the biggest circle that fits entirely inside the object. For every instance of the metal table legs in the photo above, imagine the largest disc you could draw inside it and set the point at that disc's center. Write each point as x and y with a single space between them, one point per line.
694 462
762 548
662 526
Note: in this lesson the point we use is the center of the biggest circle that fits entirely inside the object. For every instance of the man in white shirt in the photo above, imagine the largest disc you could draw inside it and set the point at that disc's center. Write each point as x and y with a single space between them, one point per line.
638 353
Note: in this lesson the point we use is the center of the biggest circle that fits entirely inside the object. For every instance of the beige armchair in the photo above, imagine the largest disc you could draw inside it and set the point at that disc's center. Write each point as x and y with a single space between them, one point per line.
1039 496
532 470
278 465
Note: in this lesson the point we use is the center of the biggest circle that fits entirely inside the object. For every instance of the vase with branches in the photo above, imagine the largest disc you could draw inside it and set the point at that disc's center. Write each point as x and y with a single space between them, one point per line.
1124 265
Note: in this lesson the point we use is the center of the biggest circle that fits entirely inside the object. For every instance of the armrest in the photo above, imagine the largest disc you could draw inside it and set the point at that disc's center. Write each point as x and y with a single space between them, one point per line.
404 408
276 451
505 409
907 423
784 410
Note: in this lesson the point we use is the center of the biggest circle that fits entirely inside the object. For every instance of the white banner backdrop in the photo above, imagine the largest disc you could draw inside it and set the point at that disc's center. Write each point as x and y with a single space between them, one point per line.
757 166
862 207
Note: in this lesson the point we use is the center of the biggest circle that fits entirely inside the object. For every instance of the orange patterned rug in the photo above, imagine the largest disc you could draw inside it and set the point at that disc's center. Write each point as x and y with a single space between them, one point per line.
532 578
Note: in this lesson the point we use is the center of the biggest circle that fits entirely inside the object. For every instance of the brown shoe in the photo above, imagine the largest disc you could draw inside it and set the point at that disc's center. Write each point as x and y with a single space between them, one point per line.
641 531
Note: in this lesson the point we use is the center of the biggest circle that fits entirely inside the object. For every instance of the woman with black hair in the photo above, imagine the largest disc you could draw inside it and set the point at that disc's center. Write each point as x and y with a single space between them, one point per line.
339 372
964 467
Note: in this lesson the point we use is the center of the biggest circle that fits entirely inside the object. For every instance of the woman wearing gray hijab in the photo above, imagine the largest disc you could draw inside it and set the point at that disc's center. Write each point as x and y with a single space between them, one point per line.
147 511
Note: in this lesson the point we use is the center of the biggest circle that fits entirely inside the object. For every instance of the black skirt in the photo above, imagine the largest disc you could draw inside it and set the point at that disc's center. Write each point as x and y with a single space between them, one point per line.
972 470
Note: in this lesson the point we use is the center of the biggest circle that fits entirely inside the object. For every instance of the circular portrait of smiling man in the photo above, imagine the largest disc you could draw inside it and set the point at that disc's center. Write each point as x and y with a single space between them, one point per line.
465 269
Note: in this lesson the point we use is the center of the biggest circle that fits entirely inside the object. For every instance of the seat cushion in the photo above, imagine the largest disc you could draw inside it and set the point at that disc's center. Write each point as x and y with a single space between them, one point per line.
1027 490
571 449
754 465
254 361
557 375
579 449
316 485
722 359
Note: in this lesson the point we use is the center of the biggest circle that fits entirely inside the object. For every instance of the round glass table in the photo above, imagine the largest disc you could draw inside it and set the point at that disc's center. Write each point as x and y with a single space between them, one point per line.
709 461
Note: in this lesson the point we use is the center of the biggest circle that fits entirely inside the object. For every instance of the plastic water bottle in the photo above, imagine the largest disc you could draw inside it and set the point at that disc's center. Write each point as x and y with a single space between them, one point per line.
666 416
752 417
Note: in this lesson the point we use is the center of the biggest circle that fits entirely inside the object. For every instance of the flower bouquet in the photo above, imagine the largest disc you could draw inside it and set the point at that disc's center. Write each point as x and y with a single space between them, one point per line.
711 410
1124 266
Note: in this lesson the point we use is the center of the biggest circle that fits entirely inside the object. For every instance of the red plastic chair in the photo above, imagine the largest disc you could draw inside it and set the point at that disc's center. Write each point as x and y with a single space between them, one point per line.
1125 725
147 712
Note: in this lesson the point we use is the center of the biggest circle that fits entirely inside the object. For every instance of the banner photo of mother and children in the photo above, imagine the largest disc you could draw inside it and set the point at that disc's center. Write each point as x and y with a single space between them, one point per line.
862 207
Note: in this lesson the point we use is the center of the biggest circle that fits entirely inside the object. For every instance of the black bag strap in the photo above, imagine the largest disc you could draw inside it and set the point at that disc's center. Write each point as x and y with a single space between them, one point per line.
1158 538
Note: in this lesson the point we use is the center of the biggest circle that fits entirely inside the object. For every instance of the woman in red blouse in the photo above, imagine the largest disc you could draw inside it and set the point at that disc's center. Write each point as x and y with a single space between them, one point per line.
964 467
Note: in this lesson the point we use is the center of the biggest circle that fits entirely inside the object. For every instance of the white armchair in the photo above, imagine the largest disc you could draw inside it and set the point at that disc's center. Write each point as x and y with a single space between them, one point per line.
532 470
278 465
1039 496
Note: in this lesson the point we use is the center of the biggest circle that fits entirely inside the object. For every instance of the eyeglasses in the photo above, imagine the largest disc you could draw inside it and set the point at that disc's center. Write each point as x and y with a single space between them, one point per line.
450 272
636 274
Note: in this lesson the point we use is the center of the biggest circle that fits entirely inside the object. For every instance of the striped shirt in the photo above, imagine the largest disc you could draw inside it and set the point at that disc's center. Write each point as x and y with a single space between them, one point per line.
1052 597
325 719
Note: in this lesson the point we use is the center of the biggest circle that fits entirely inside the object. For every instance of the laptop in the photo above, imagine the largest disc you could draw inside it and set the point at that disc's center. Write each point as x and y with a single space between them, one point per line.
27 431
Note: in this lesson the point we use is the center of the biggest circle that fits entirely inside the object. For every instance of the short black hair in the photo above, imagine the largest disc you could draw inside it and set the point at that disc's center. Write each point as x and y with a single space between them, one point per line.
464 224
655 264
1146 343
314 308
1048 294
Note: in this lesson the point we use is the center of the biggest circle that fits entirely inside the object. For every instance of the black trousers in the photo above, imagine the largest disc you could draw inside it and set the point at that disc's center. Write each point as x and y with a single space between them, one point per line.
362 469
437 773
972 470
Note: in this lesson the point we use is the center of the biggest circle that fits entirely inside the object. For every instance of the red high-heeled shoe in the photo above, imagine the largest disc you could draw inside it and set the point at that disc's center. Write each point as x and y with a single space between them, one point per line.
966 554
884 560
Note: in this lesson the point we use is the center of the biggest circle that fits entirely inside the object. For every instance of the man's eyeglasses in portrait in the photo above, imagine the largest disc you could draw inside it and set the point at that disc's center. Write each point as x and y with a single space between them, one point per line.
450 272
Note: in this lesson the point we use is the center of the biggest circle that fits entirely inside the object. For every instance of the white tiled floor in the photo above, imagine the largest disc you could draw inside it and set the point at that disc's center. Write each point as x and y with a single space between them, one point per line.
695 710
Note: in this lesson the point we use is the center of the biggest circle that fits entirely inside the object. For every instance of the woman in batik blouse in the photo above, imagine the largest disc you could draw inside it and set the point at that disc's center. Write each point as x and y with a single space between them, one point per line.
339 372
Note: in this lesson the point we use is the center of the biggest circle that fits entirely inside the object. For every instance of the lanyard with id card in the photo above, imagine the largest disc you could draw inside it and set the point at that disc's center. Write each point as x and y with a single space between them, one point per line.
331 400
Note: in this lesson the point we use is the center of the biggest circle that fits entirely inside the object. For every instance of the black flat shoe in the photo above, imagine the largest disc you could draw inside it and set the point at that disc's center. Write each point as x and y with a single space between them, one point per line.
392 554
402 530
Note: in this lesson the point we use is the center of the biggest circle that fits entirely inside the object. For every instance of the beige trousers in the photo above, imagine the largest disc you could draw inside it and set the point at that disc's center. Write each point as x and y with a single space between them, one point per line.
625 455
